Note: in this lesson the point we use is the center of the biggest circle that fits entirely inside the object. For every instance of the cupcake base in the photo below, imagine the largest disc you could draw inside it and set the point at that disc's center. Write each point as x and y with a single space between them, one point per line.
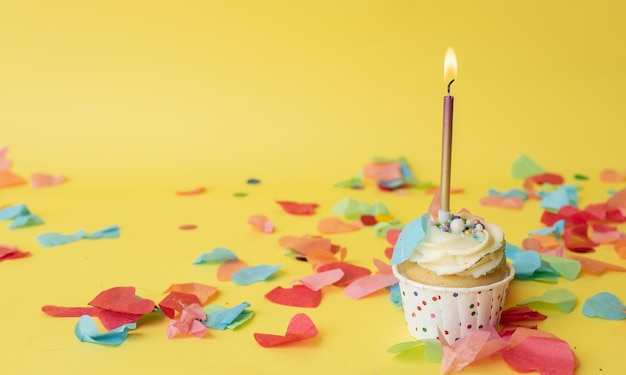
451 311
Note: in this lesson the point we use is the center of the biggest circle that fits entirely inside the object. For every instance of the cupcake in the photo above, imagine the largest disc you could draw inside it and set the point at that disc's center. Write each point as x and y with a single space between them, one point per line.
453 275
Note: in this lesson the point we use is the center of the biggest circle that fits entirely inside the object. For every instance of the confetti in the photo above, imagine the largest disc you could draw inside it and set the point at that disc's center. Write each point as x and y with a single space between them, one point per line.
604 305
524 167
321 279
367 285
189 323
221 318
262 223
202 291
520 314
611 175
546 355
295 208
11 252
176 301
41 180
217 255
563 299
411 235
432 349
297 295
188 227
122 299
188 193
300 327
228 267
351 272
470 348
334 225
87 331
595 266
251 275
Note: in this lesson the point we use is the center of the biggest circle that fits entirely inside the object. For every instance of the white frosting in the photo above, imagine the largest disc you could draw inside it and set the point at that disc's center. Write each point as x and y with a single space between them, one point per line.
465 254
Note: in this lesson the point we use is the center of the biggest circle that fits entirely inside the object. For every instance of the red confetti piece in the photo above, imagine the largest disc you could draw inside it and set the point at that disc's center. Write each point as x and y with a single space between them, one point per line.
546 355
520 314
109 319
188 227
389 252
392 235
298 208
576 239
300 327
350 272
368 220
122 299
176 301
8 252
197 191
297 295
546 178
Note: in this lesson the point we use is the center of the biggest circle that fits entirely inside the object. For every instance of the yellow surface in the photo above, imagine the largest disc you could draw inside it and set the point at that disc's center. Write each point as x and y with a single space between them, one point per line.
134 100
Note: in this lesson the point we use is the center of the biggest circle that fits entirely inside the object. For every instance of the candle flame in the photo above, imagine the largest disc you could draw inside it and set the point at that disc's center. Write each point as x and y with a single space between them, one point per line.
449 66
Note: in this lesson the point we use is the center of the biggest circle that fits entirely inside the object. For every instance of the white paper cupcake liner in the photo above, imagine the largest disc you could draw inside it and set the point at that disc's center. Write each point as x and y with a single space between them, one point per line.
454 312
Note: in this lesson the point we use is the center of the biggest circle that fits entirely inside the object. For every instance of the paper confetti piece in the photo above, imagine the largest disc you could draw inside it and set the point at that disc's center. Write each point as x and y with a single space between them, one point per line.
221 318
189 322
620 248
109 319
176 301
24 221
12 212
350 208
432 349
524 167
514 203
8 178
595 266
576 238
351 272
122 299
253 181
217 255
11 252
87 331
546 178
568 268
56 239
300 327
262 223
5 163
604 305
253 274
411 236
192 192
295 208
319 280
563 299
228 267
334 225
470 348
297 295
604 234
306 243
524 262
367 285
112 231
41 180
611 175
520 314
545 355
202 291
563 196
188 227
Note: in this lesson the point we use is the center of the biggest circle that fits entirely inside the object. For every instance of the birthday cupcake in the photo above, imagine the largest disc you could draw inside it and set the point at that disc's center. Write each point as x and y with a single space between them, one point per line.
453 275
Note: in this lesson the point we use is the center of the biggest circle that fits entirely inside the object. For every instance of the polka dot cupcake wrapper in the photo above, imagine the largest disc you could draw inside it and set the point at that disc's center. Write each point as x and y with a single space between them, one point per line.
453 312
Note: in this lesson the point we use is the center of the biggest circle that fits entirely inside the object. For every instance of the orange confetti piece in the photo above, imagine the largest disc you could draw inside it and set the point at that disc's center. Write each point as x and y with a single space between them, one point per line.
514 203
383 171
8 178
39 180
318 258
202 291
336 225
227 268
620 248
611 175
307 243
196 191
262 223
596 266
435 190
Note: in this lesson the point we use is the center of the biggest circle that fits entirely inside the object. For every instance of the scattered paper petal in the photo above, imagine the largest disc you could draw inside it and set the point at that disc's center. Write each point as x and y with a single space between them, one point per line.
122 299
112 231
221 318
8 178
109 319
253 274
301 327
11 252
524 262
563 196
228 267
202 291
611 175
576 238
333 225
297 295
321 279
12 212
514 203
351 272
545 355
25 221
253 181
369 284
5 163
432 349
596 266
604 305
520 314
188 227
217 255
262 223
196 191
563 299
411 236
524 167
568 268
295 208
470 348
87 331
176 301
189 323
39 180
56 239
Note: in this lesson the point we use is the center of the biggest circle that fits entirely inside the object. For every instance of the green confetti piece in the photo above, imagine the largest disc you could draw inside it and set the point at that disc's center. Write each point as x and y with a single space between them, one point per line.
568 268
240 194
563 299
580 177
524 167
380 229
432 349
350 208
376 209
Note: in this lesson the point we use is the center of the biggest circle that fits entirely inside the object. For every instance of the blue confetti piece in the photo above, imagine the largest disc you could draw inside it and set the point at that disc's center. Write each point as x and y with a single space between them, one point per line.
412 234
56 239
556 229
87 331
221 318
13 212
524 262
604 305
23 221
394 296
251 275
217 255
509 193
253 181
112 231
564 196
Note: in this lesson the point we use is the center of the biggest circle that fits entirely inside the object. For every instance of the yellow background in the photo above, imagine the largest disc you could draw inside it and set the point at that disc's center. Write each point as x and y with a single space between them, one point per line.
135 100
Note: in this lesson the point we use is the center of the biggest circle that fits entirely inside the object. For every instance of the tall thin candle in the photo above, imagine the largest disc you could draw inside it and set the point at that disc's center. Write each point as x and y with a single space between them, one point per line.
449 75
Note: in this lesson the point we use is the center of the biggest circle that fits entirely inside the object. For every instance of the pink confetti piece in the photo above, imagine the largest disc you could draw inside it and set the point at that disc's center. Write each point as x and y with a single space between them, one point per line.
334 225
471 348
262 223
383 171
514 203
40 180
383 267
546 355
300 327
5 163
188 227
351 272
369 284
196 191
319 280
189 323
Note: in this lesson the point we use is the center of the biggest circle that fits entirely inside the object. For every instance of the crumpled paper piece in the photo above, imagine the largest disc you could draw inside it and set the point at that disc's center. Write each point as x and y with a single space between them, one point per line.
86 330
300 327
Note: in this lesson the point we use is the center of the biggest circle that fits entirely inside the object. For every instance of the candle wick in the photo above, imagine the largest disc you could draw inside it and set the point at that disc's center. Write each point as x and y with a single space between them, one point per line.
450 84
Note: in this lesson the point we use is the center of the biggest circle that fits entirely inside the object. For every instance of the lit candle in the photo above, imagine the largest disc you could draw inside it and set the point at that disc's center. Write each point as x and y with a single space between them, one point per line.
449 75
